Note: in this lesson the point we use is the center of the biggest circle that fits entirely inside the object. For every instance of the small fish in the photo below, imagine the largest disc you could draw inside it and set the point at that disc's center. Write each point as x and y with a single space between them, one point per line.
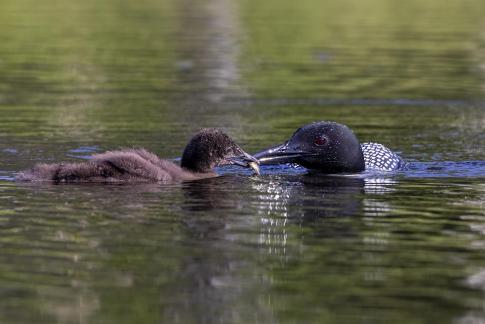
255 167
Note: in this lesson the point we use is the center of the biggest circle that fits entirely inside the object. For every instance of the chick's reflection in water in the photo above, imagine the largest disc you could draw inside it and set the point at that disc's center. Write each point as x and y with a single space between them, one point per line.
217 273
212 194
207 203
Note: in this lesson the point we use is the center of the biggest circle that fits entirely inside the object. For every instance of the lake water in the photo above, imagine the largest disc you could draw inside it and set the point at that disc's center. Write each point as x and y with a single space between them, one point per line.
82 77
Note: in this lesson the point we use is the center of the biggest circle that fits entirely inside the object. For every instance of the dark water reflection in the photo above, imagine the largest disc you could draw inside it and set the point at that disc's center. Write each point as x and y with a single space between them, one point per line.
287 246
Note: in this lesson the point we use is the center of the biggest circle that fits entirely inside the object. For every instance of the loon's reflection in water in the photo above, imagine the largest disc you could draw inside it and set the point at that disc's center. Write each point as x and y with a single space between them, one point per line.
225 218
300 200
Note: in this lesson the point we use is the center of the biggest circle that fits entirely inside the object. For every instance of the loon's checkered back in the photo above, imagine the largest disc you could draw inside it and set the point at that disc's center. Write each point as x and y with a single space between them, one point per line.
379 157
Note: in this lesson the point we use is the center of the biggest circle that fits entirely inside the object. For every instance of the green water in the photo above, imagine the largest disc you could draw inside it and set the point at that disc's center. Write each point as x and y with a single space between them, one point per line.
285 247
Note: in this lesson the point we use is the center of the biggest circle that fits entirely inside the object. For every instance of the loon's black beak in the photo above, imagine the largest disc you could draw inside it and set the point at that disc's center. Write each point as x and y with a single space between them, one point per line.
245 160
279 154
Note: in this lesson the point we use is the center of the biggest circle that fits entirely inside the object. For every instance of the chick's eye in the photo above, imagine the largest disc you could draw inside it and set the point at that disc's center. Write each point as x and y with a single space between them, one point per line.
320 141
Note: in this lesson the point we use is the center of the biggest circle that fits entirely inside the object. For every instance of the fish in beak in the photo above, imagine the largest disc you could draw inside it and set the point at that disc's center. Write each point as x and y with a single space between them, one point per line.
245 160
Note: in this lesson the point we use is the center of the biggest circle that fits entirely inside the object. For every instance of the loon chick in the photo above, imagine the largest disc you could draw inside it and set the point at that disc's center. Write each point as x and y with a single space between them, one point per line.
331 148
207 149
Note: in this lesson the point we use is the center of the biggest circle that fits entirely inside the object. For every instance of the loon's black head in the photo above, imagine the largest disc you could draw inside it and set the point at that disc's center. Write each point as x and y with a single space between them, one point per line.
325 146
211 147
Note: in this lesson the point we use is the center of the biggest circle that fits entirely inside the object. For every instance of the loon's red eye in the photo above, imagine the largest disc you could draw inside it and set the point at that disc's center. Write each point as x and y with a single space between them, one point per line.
320 141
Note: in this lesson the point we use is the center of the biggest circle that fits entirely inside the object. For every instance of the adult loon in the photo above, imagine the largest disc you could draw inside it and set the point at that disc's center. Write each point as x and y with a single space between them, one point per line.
207 149
330 147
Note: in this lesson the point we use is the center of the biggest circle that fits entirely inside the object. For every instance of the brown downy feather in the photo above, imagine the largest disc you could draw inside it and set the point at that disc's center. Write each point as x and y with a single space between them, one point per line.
207 149
133 165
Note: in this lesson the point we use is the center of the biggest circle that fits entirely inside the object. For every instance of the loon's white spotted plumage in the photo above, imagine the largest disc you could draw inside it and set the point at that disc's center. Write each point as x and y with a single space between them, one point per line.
379 157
